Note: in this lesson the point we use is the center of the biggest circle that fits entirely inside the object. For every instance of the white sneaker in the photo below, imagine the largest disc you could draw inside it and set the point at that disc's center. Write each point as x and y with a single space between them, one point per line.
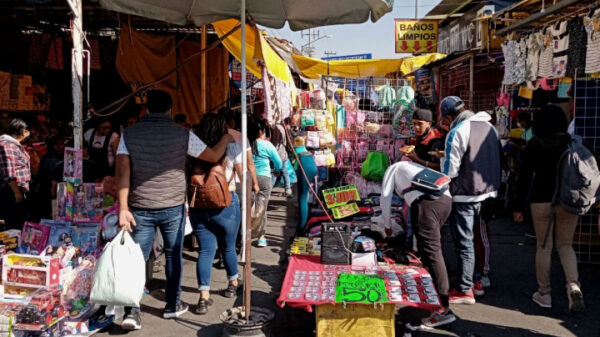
438 319
575 298
544 301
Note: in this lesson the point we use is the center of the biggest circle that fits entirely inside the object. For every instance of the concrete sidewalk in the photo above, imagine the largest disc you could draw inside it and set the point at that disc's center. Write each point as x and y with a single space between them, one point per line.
506 309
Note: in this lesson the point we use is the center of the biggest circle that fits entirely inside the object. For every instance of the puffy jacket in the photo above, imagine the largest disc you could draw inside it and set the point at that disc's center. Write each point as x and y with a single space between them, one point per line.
472 159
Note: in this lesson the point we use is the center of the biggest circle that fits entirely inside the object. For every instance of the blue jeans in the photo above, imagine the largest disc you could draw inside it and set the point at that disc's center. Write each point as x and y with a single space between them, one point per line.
286 176
462 220
212 227
171 223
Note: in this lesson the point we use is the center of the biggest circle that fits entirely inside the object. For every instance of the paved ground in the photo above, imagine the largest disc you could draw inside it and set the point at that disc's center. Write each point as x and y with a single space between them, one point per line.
506 310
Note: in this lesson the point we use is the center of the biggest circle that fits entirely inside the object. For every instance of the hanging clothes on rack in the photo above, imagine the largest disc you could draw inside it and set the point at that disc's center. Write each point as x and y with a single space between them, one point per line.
546 55
577 47
560 38
508 49
534 48
592 27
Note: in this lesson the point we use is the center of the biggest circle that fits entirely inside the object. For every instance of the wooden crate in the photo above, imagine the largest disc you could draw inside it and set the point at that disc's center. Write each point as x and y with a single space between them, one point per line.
355 320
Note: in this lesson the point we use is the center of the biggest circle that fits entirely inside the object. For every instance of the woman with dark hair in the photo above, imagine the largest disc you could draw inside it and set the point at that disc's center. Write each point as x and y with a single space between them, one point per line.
102 144
537 178
263 153
214 227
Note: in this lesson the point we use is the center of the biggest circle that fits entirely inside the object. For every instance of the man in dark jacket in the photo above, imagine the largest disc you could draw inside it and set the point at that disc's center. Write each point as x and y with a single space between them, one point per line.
472 160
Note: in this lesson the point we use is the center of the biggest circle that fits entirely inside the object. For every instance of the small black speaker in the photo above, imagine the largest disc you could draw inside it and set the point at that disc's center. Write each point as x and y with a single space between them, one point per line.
335 243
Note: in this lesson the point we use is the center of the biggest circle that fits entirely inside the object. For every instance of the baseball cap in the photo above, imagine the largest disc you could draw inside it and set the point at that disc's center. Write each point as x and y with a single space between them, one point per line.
451 104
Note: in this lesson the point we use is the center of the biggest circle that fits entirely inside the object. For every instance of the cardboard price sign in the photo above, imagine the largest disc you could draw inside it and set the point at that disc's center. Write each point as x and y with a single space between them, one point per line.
416 36
345 211
339 196
360 288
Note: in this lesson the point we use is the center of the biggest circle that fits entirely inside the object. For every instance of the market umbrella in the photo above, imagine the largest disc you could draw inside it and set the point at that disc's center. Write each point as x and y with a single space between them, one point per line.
300 14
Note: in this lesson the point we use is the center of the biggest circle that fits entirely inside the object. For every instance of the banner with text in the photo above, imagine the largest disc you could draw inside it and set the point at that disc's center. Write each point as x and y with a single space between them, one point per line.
416 36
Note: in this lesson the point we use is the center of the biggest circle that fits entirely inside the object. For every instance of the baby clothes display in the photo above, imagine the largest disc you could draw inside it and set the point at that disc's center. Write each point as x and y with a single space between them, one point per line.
546 55
560 39
592 27
577 47
534 47
508 49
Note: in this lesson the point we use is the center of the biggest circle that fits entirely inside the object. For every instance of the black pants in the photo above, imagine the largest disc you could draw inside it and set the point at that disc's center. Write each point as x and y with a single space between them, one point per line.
11 212
427 217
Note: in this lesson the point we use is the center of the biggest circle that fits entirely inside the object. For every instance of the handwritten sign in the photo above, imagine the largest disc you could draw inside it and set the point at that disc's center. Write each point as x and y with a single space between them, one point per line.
345 211
339 196
360 288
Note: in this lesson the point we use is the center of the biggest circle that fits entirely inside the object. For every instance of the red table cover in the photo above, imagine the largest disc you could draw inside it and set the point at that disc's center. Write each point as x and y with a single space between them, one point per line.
313 263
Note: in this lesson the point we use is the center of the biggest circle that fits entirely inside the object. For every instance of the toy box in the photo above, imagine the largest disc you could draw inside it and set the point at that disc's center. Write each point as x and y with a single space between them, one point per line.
73 165
11 239
80 202
22 274
61 232
64 195
43 311
86 237
34 237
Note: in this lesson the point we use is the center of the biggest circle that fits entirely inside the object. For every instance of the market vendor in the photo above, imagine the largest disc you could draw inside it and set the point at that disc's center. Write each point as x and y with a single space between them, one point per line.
428 214
428 139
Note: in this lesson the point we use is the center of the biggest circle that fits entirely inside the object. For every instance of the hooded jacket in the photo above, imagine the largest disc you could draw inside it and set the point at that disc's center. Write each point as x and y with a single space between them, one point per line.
472 158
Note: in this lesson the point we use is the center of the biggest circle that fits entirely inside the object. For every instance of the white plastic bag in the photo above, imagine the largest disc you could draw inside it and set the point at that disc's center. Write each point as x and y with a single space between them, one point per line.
120 273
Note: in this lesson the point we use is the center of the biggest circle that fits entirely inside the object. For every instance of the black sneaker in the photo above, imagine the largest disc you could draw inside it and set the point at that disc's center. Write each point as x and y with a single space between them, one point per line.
231 291
203 304
179 310
132 321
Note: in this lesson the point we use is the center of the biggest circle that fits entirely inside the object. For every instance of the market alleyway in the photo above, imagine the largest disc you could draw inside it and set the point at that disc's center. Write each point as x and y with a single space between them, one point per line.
506 309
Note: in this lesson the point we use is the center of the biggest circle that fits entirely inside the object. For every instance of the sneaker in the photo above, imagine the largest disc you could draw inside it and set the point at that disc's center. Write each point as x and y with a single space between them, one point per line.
203 304
231 291
438 319
544 301
485 281
261 243
575 298
179 310
478 289
288 193
132 321
458 297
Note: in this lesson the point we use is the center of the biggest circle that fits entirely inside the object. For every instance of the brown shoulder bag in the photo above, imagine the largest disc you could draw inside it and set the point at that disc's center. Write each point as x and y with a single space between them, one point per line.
209 189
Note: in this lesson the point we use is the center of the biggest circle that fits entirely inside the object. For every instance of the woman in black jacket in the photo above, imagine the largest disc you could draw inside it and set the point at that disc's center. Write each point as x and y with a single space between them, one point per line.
537 179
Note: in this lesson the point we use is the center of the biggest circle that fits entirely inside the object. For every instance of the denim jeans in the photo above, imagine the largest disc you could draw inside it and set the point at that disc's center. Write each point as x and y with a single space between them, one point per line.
213 227
462 220
286 176
171 223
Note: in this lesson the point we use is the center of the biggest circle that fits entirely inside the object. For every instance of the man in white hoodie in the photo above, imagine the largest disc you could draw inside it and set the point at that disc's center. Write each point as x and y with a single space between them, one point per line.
428 214
472 161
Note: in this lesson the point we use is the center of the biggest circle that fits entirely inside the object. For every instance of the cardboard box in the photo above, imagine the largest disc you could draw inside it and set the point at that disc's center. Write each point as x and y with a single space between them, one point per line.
355 320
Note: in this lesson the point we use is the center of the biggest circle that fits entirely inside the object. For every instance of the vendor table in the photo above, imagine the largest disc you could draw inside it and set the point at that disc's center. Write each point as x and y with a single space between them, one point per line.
412 285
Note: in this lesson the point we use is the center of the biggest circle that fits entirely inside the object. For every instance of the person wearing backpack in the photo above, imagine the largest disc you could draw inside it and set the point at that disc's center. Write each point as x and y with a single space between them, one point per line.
151 184
428 213
538 177
215 209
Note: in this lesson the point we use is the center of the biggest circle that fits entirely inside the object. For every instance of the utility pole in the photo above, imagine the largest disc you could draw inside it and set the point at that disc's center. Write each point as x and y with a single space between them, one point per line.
77 68
307 49
416 9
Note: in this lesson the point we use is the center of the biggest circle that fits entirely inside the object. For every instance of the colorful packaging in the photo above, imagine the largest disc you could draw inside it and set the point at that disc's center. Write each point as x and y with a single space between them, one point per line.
34 237
73 165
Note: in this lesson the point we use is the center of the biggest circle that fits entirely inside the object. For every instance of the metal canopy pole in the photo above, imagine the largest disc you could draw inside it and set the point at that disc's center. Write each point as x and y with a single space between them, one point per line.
77 68
245 228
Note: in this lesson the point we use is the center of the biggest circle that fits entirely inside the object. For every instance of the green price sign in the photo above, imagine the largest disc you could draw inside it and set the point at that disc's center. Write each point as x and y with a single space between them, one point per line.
360 288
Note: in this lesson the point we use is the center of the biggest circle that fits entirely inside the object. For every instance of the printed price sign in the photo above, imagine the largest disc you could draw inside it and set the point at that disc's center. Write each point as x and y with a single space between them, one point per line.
339 196
345 211
360 288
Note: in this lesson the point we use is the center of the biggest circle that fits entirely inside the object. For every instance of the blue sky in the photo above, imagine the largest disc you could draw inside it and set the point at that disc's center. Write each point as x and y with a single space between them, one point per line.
375 38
